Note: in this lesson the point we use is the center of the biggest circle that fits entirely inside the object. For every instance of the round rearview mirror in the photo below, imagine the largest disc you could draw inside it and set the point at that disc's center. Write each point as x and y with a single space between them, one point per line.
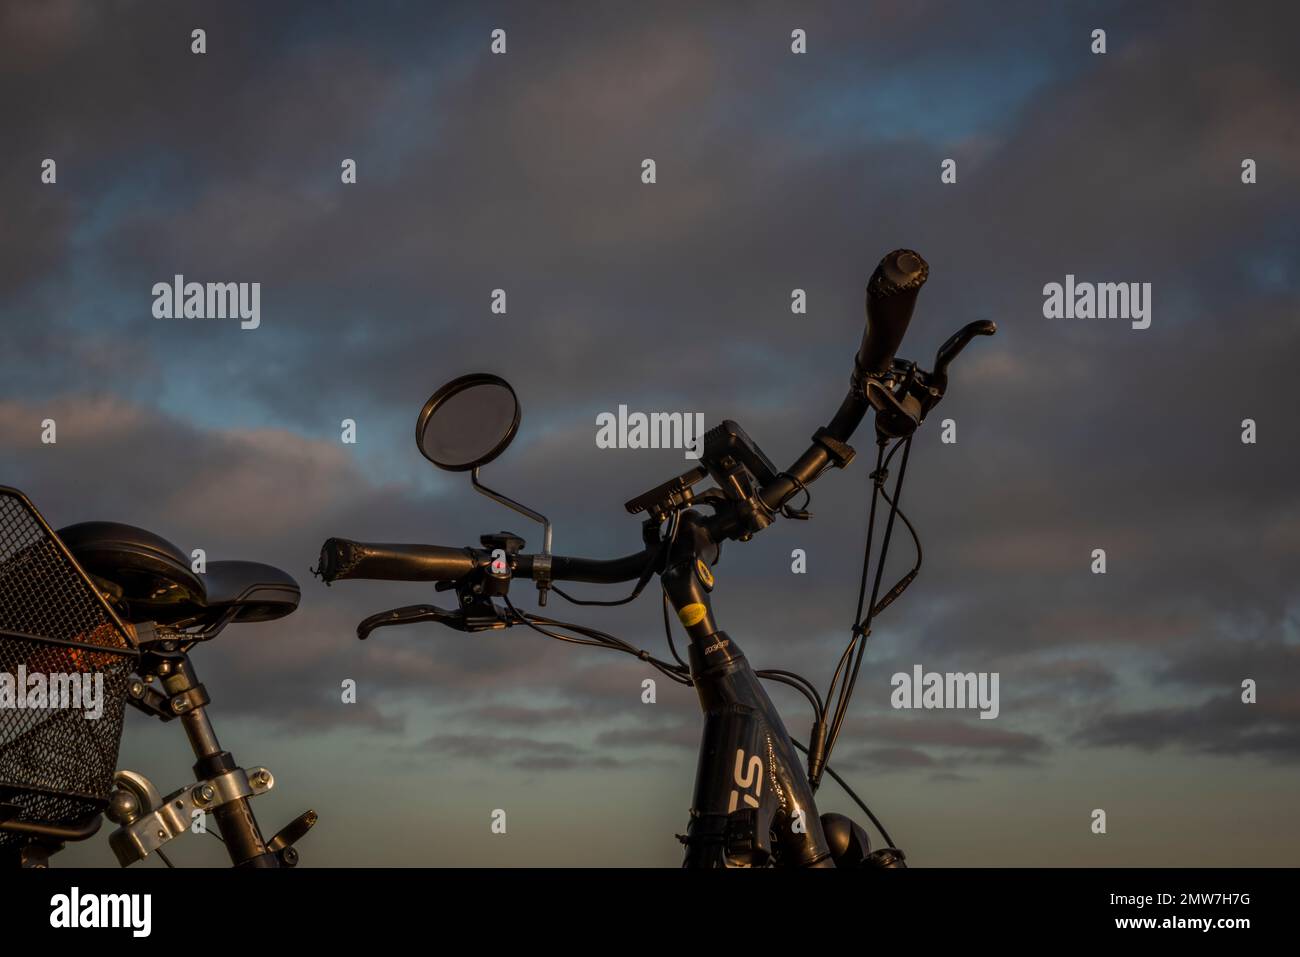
468 422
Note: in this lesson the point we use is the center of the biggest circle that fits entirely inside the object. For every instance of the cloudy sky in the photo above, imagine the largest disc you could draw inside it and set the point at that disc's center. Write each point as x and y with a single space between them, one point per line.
775 171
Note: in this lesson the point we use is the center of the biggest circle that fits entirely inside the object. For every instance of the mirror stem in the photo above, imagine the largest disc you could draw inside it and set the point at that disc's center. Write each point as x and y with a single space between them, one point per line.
542 562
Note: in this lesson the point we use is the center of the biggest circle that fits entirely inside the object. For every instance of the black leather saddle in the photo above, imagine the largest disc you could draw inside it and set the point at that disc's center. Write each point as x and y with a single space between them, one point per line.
150 579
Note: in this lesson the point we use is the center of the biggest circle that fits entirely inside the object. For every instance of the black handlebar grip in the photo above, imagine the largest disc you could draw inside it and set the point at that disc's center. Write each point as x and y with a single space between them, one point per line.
342 559
891 297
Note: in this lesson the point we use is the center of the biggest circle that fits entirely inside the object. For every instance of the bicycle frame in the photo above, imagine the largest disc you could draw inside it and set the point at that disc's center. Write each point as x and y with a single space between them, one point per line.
749 784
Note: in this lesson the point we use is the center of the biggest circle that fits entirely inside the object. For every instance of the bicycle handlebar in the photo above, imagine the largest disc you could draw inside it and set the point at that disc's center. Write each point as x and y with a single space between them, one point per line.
342 559
891 297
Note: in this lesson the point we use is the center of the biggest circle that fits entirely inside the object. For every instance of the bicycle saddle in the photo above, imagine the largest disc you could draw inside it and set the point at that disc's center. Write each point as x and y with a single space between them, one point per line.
255 592
147 576
150 579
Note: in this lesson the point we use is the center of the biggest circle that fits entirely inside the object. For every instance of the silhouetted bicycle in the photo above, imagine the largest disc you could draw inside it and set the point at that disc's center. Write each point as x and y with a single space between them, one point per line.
753 803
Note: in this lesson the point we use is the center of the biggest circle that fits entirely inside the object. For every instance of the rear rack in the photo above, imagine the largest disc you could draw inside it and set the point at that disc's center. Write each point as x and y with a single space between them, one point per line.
59 639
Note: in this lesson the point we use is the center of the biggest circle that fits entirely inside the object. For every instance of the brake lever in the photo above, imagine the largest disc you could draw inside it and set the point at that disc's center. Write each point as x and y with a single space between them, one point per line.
409 615
955 344
901 410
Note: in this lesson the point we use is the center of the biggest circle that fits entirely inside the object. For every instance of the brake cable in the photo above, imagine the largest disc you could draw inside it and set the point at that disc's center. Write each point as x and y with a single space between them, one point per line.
651 566
646 575
798 682
665 601
802 513
596 638
668 633
901 585
862 629
856 650
889 841
819 754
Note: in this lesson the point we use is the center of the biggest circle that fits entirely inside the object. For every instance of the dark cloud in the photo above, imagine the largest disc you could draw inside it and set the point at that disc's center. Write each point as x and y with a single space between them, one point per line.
683 735
977 737
894 758
1222 726
509 715
522 752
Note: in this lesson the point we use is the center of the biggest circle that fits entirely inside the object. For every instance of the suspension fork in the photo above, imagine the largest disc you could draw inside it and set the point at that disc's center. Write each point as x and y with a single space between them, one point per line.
235 819
752 800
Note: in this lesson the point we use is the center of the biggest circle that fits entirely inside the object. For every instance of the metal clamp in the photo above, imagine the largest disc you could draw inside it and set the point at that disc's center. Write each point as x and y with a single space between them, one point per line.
542 571
147 822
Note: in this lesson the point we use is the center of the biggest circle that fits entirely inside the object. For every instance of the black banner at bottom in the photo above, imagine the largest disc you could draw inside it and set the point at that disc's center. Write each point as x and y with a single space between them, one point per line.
188 907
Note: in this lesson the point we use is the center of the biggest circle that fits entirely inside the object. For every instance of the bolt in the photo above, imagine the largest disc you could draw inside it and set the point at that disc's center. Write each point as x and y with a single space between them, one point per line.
137 689
204 794
123 807
179 705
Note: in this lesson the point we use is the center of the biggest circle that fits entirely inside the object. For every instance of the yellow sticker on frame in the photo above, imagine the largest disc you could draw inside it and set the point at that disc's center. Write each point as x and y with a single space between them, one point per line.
692 614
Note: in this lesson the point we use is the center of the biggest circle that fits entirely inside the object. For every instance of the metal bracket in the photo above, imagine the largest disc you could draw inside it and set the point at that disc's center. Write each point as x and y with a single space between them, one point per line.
144 829
544 581
542 572
154 703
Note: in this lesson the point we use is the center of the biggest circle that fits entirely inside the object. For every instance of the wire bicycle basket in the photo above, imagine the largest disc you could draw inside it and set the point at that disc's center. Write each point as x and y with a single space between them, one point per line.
56 762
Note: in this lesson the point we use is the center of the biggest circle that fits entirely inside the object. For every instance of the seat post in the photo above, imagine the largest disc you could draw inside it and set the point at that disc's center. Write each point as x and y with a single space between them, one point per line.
235 819
180 679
